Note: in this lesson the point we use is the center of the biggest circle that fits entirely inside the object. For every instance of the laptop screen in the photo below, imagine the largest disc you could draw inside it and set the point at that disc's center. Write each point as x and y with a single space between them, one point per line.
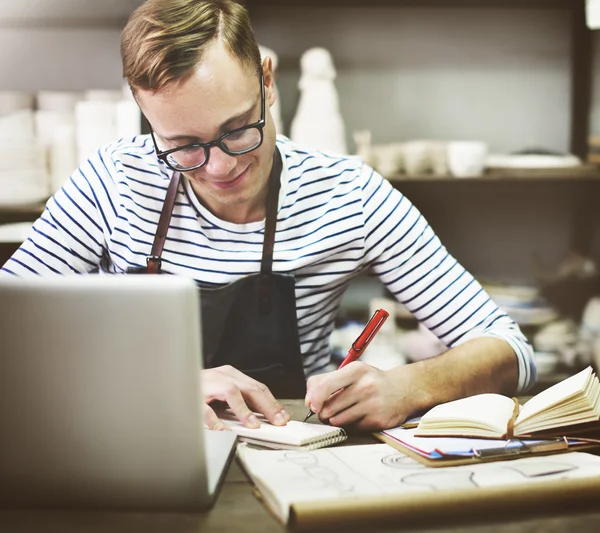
102 405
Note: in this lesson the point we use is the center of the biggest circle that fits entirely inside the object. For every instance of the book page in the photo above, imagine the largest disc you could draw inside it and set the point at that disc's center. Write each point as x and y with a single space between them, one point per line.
554 395
480 415
293 434
372 479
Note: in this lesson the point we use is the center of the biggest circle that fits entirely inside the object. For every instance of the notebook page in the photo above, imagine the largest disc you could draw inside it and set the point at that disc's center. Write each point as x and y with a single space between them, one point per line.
294 433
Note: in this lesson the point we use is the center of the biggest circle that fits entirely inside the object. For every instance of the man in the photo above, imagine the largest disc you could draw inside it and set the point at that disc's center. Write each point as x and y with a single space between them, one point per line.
271 232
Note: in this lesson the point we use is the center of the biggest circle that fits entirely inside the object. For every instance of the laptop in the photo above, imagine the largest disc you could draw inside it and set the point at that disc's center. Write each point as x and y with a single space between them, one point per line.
100 397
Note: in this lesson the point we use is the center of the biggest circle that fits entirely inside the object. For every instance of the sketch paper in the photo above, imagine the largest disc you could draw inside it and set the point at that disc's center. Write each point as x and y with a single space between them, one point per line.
346 483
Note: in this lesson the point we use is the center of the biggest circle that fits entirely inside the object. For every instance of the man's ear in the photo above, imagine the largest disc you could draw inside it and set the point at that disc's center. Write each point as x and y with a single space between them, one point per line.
269 78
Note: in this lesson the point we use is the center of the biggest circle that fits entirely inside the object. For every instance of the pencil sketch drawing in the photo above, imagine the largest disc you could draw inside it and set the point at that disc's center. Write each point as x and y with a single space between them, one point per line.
341 471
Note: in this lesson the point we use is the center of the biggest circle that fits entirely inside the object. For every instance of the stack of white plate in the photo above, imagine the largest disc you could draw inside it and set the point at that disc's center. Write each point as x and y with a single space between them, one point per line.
102 118
23 167
96 126
55 129
16 232
11 101
522 303
531 161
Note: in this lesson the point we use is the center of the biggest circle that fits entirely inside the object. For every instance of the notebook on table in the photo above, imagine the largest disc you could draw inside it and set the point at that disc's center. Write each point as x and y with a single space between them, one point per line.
363 486
568 408
493 427
100 403
452 451
293 436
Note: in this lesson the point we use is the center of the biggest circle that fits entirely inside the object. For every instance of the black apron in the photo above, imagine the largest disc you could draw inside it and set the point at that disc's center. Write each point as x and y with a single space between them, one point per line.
251 323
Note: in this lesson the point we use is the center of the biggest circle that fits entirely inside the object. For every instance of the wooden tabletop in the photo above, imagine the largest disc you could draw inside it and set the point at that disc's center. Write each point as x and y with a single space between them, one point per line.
238 510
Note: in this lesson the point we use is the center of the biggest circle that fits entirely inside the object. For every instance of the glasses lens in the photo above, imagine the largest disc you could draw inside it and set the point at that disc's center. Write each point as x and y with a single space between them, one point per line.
187 158
239 142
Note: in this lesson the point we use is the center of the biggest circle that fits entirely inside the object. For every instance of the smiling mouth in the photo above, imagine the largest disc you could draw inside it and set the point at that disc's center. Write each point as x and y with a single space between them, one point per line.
230 184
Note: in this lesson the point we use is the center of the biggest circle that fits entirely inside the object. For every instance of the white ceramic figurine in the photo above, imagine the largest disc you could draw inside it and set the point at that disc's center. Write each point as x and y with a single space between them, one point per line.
318 122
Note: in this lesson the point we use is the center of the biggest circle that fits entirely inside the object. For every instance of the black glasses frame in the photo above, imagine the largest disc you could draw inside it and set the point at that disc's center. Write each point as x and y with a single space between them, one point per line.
259 125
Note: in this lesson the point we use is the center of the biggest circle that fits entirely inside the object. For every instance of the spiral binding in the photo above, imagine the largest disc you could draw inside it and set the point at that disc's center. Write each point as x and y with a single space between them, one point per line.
322 441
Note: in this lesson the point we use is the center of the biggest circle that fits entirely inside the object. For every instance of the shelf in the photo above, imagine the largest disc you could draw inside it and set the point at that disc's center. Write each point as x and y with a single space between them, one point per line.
21 213
67 13
546 176
540 4
25 209
88 14
585 174
66 23
494 179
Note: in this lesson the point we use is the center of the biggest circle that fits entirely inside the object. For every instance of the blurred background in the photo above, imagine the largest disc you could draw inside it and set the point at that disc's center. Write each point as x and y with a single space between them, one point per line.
485 113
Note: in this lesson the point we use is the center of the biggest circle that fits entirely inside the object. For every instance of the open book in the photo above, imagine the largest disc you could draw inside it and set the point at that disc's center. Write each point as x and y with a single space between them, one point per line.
567 408
294 435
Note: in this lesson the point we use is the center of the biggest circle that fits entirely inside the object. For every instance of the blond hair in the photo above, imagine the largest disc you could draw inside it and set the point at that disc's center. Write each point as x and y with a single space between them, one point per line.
164 40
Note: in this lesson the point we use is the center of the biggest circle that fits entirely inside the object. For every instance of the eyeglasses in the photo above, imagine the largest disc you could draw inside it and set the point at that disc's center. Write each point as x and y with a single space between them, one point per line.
235 142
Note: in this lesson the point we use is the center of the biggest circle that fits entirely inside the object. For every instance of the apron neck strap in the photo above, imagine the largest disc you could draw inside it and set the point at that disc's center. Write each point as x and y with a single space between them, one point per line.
153 260
271 215
266 264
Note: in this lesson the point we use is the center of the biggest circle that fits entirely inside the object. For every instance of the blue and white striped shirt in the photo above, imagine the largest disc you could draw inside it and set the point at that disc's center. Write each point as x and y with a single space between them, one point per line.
337 218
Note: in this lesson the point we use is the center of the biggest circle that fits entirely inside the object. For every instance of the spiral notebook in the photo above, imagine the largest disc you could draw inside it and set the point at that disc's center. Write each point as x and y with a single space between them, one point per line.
293 436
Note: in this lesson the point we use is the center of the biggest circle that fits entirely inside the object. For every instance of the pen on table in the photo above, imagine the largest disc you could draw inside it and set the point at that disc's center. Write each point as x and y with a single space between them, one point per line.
360 344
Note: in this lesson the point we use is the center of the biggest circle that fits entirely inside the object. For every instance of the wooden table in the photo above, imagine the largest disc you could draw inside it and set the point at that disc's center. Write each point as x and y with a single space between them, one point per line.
238 510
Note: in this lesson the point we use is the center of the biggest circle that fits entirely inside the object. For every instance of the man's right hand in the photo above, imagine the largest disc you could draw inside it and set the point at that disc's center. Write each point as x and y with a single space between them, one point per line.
244 395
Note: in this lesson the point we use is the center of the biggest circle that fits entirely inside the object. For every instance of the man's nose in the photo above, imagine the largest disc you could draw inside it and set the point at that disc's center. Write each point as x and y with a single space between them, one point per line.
219 163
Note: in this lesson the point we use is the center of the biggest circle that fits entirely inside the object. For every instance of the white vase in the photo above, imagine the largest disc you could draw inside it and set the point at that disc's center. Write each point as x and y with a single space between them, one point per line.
318 122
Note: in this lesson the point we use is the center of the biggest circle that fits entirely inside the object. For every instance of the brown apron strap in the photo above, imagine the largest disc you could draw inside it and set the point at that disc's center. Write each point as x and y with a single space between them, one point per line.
153 260
266 265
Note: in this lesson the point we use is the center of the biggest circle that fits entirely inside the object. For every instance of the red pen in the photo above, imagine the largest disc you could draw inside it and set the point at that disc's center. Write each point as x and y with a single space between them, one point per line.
360 344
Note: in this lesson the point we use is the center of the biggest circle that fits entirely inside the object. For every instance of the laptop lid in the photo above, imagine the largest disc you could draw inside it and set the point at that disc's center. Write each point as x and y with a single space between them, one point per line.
101 402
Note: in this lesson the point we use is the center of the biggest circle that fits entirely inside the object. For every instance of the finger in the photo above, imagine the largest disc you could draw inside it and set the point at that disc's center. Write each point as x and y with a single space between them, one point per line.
320 388
230 373
212 421
216 383
236 403
339 401
233 372
317 392
354 416
259 397
311 386
253 396
262 401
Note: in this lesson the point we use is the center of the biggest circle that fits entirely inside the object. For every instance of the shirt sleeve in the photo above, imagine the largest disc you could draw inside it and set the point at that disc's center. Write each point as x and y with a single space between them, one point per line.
70 235
406 254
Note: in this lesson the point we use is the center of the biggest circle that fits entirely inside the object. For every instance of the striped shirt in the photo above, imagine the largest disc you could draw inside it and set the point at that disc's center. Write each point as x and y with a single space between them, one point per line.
337 218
